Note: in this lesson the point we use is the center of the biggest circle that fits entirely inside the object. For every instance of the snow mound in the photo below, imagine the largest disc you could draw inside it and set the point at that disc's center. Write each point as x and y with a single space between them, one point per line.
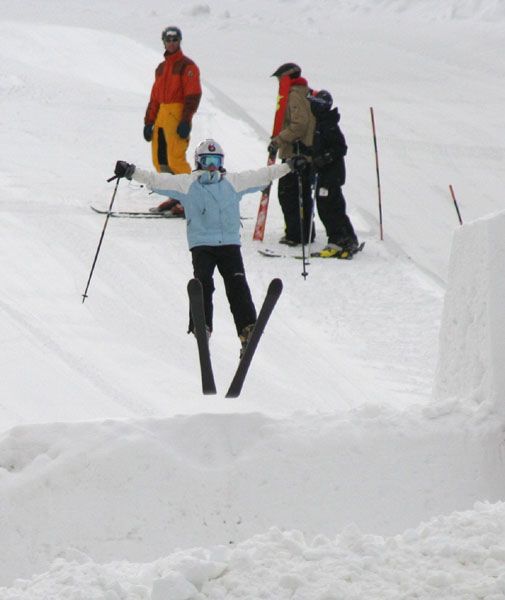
450 557
138 490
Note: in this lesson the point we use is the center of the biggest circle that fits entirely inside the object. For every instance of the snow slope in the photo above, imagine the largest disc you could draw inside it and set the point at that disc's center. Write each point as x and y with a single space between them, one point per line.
108 451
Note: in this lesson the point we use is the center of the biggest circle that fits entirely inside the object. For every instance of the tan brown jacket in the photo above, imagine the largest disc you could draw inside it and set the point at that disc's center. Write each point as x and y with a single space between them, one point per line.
299 122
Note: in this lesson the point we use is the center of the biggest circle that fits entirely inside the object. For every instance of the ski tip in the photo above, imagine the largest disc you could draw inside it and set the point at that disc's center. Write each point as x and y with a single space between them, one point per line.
194 284
275 285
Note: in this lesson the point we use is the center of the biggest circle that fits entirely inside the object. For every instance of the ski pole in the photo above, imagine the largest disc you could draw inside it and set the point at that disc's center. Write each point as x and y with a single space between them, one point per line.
378 175
302 237
312 212
456 204
85 295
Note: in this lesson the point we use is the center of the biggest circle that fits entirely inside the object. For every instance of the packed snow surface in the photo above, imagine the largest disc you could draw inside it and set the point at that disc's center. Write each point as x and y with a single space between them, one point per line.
364 458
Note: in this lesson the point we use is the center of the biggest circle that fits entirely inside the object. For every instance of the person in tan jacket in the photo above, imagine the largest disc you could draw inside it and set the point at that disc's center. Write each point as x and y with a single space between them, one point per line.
175 96
295 136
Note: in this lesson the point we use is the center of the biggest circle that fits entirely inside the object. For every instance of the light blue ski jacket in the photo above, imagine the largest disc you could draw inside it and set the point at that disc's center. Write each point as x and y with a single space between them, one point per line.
211 199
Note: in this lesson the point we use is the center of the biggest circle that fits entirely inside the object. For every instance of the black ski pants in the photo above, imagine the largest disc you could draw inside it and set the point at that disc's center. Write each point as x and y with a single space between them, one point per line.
228 260
332 212
289 200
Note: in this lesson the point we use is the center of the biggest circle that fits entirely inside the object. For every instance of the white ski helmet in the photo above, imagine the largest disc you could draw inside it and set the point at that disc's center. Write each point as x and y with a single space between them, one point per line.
209 153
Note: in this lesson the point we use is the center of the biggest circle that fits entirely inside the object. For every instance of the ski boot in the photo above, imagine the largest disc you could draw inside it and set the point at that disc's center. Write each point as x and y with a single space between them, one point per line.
345 250
287 242
244 337
171 206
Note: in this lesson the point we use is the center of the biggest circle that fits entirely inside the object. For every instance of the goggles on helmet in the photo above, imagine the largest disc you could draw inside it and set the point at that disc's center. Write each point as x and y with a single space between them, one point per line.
319 102
171 34
211 160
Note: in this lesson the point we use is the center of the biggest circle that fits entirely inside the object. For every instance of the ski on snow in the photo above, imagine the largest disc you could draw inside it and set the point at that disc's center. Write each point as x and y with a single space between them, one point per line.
142 214
136 214
195 294
275 254
272 295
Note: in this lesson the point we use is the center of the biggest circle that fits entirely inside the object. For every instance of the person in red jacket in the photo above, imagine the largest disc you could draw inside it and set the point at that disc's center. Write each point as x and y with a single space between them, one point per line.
175 97
296 134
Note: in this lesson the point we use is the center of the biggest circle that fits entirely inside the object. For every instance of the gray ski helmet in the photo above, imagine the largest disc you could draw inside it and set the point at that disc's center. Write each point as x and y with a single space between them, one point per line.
291 69
321 102
170 31
208 148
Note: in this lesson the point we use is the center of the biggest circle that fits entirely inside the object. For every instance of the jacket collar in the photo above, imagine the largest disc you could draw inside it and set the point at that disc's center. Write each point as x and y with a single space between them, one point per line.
173 57
329 115
209 177
298 81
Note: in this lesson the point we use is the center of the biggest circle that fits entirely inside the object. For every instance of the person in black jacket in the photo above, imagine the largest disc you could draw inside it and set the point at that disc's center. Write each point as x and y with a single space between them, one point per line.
328 151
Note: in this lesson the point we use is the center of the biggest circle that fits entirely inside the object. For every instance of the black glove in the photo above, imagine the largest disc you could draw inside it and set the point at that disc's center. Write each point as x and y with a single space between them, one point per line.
183 129
303 149
148 132
321 160
297 163
272 147
124 169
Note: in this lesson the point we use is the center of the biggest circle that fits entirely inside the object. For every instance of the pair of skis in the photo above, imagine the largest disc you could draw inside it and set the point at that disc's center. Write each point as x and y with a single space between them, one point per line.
195 294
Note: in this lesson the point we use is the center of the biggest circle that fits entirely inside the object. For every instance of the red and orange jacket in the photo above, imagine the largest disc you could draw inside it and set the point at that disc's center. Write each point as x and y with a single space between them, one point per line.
177 80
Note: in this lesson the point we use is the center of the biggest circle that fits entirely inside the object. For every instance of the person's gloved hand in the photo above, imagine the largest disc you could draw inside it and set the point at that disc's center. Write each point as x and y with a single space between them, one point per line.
183 129
322 160
148 132
273 146
124 169
303 149
297 163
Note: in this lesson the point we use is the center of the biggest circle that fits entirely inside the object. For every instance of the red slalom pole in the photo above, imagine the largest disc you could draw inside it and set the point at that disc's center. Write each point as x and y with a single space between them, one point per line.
455 204
378 174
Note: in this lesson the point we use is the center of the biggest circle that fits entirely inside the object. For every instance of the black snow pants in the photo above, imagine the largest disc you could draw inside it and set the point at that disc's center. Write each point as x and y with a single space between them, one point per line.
332 212
289 200
228 260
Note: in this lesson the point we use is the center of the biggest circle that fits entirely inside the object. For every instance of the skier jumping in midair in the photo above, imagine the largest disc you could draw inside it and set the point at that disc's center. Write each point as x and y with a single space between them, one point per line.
210 197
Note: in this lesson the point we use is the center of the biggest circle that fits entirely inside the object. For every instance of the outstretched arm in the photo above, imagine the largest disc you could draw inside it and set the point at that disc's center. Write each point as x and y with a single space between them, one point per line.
175 185
253 181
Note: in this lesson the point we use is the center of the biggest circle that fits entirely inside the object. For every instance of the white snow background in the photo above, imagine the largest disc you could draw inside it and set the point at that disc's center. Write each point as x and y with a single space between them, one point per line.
364 458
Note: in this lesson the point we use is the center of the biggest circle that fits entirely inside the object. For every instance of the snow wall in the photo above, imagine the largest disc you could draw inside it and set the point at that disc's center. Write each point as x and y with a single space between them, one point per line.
471 369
